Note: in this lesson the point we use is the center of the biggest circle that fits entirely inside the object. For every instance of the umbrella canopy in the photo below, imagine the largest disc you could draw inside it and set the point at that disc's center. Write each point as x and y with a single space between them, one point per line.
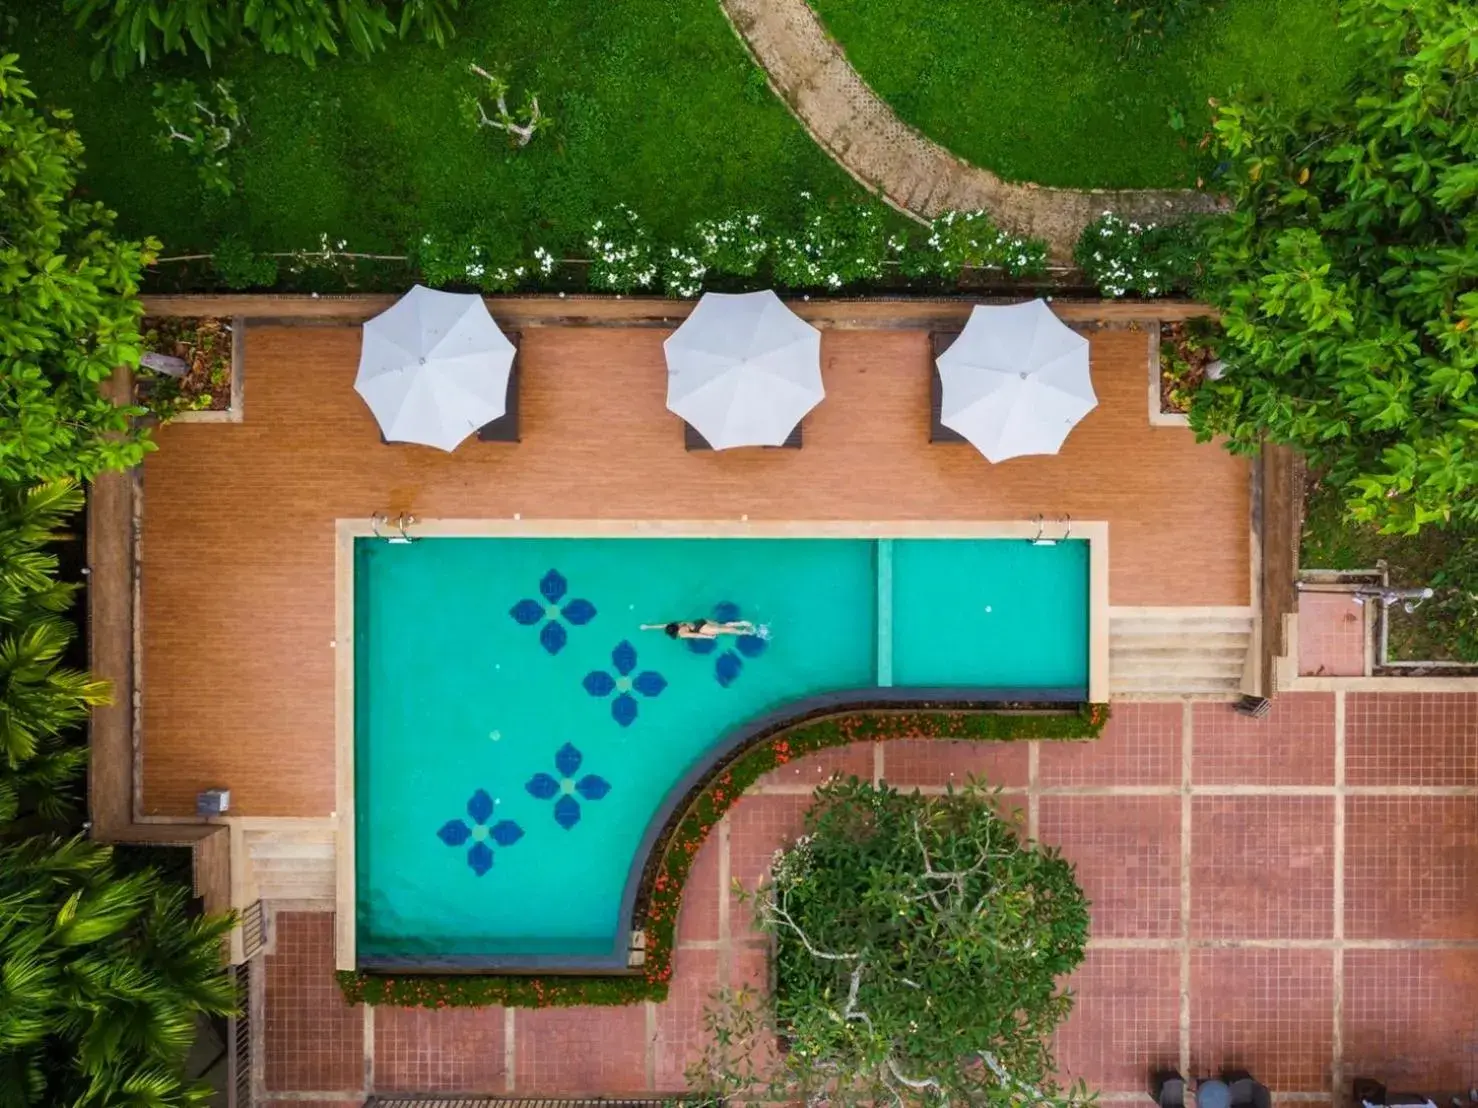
743 369
433 368
1016 381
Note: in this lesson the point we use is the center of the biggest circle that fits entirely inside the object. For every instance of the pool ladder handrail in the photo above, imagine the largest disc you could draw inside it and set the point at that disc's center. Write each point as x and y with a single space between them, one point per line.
1040 538
401 523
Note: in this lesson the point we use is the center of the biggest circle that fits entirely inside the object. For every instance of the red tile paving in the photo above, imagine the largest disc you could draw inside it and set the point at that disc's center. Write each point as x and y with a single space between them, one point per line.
697 919
695 977
1331 635
581 1051
1411 867
1411 739
459 1050
853 760
1139 746
312 1039
1262 867
1270 1012
1409 1018
1262 971
759 825
908 763
1125 1020
1127 852
1292 745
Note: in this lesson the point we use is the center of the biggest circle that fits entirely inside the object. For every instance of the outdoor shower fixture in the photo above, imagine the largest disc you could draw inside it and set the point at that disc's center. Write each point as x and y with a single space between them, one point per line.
1409 599
400 523
1040 538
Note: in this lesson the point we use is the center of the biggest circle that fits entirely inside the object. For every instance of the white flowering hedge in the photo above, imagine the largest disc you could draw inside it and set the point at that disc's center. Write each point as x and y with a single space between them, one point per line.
836 246
480 263
959 240
621 254
733 247
1121 257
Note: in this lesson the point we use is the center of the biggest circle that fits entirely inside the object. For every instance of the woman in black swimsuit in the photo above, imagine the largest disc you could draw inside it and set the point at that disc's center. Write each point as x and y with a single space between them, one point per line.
701 628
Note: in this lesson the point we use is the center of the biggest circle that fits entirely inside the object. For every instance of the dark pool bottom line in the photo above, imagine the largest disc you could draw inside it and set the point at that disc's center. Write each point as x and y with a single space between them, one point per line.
616 960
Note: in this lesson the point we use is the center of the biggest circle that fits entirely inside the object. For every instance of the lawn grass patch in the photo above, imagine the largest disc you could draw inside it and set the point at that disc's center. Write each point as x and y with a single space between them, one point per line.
1046 91
655 101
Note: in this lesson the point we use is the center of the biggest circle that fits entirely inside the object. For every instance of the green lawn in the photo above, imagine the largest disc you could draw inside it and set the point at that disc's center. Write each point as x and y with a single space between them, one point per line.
1043 91
657 106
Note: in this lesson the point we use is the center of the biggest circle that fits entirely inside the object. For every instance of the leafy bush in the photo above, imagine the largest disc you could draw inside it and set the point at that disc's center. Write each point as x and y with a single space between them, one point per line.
239 267
1120 257
132 33
960 240
838 244
918 947
734 246
1345 274
481 261
69 309
204 123
622 259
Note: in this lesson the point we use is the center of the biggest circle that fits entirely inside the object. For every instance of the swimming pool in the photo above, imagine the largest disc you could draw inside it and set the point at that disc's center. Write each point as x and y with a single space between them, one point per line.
515 734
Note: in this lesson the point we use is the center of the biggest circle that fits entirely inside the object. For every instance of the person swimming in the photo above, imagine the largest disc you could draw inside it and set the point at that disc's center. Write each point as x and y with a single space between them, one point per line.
702 628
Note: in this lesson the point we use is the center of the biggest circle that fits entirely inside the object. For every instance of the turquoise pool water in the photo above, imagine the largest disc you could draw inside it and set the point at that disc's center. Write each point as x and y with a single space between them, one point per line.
516 732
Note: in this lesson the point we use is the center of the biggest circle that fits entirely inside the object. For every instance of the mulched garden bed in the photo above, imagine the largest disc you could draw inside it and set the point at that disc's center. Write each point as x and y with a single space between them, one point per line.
1187 350
204 345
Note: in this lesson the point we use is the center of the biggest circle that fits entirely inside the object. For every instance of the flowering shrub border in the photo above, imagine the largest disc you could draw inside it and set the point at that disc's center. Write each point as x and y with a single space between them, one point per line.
667 870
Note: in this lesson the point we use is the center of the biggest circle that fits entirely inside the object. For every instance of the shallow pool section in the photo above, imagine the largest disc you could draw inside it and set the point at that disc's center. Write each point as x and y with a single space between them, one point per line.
517 733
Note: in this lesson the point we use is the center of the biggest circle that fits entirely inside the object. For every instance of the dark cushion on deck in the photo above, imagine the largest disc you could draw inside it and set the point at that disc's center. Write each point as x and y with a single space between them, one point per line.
940 341
694 441
505 427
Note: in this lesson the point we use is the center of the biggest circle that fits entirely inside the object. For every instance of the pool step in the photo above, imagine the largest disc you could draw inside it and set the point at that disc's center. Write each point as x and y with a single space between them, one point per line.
1172 652
294 862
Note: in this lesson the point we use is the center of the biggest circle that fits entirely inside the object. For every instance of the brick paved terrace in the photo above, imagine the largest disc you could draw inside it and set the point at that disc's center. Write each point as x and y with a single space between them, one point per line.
1296 895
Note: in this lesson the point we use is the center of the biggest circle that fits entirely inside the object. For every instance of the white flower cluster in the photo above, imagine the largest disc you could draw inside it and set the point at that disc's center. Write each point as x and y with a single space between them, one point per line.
960 240
329 255
839 245
1114 255
457 262
616 264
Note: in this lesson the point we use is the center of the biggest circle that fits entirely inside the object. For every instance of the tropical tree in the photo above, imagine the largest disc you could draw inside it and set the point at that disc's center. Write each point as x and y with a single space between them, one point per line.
69 309
918 943
102 973
104 976
41 699
1347 276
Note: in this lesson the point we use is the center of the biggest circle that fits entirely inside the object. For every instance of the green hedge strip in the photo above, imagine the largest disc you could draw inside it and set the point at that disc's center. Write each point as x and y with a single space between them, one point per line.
650 983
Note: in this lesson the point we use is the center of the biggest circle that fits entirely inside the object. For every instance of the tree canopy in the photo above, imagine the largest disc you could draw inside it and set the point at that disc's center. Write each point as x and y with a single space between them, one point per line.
1347 275
102 972
919 944
69 308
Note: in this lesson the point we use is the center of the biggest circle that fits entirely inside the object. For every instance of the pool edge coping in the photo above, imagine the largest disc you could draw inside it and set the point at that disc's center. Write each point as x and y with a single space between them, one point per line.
346 531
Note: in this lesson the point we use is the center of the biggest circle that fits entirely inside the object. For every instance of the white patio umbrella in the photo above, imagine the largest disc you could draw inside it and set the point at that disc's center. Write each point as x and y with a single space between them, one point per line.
1016 381
743 369
433 368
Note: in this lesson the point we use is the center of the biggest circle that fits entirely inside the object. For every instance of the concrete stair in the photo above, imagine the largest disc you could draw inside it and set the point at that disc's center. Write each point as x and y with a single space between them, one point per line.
1178 652
292 862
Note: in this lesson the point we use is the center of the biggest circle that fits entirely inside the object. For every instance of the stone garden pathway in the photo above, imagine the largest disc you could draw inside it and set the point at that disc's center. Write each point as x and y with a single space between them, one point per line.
917 176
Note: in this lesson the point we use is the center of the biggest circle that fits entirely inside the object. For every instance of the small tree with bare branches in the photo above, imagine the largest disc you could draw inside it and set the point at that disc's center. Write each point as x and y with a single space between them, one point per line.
918 945
521 127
